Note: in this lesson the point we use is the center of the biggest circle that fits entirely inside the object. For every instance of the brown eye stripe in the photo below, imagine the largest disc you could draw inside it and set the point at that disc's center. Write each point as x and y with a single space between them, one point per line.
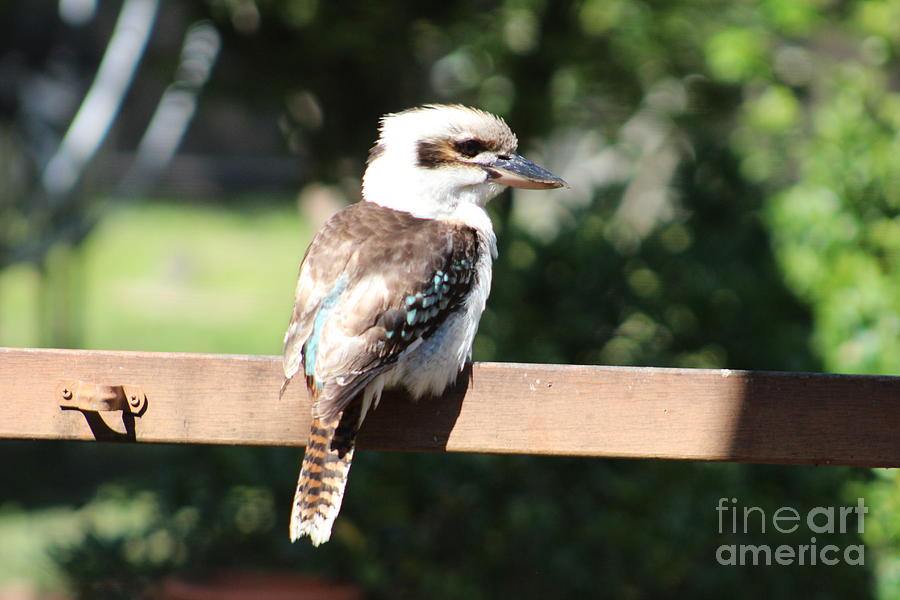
430 154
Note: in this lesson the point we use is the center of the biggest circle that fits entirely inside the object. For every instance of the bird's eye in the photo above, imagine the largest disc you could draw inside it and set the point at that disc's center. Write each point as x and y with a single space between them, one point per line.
469 148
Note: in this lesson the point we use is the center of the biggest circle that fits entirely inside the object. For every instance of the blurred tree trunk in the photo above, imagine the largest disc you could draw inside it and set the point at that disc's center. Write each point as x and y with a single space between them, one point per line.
60 298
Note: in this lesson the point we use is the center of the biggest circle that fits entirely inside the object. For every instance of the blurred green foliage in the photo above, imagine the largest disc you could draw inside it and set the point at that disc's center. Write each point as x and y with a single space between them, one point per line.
752 222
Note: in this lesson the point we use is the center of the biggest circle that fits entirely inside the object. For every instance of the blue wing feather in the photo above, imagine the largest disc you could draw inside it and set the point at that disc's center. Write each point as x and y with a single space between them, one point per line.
311 348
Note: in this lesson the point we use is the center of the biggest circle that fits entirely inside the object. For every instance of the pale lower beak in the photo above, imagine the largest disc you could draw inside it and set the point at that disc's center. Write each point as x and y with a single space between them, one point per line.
518 171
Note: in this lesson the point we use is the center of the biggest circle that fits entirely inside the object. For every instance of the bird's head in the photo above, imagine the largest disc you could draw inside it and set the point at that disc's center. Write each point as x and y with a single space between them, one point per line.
429 161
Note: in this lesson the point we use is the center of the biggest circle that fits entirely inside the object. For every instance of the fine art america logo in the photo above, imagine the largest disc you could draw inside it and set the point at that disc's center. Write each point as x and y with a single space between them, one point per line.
736 519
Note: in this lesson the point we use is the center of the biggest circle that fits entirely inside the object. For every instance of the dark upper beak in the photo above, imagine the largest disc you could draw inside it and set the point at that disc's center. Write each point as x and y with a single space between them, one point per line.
518 171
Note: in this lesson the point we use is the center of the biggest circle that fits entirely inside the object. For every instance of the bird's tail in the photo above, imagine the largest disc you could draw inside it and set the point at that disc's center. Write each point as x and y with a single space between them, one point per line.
323 475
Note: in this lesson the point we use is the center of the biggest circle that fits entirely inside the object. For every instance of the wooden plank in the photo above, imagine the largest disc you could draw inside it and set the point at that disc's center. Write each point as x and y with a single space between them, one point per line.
691 414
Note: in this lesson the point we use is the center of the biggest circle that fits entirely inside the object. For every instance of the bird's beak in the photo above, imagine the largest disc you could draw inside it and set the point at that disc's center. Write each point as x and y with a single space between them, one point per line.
518 171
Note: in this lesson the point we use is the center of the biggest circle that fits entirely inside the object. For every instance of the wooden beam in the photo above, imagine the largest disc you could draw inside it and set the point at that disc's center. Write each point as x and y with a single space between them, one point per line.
691 414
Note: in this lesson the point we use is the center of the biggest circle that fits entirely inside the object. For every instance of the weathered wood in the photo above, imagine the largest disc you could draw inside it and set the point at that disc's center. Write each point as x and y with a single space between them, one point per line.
692 414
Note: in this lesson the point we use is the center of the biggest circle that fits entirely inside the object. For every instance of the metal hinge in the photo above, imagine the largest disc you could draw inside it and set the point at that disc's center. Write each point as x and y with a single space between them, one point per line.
94 399
82 395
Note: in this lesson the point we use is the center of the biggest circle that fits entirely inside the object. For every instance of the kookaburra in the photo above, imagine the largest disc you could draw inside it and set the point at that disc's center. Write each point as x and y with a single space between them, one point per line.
391 289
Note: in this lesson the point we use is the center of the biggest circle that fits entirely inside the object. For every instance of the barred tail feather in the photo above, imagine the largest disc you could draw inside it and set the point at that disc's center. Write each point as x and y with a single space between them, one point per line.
323 475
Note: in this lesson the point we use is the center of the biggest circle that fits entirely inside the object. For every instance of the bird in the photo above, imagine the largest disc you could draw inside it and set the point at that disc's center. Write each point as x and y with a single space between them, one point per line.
391 289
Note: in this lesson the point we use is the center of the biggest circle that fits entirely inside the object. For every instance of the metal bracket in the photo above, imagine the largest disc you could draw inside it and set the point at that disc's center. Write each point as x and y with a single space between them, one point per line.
86 396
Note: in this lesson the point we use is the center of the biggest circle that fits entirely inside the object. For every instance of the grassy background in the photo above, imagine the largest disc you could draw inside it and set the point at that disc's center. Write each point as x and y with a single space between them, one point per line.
167 277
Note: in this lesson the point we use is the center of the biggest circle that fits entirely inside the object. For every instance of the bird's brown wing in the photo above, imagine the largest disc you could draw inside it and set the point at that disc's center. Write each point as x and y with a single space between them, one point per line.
373 283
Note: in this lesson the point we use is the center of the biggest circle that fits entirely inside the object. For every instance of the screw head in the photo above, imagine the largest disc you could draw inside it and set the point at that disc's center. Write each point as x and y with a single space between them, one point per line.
67 394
